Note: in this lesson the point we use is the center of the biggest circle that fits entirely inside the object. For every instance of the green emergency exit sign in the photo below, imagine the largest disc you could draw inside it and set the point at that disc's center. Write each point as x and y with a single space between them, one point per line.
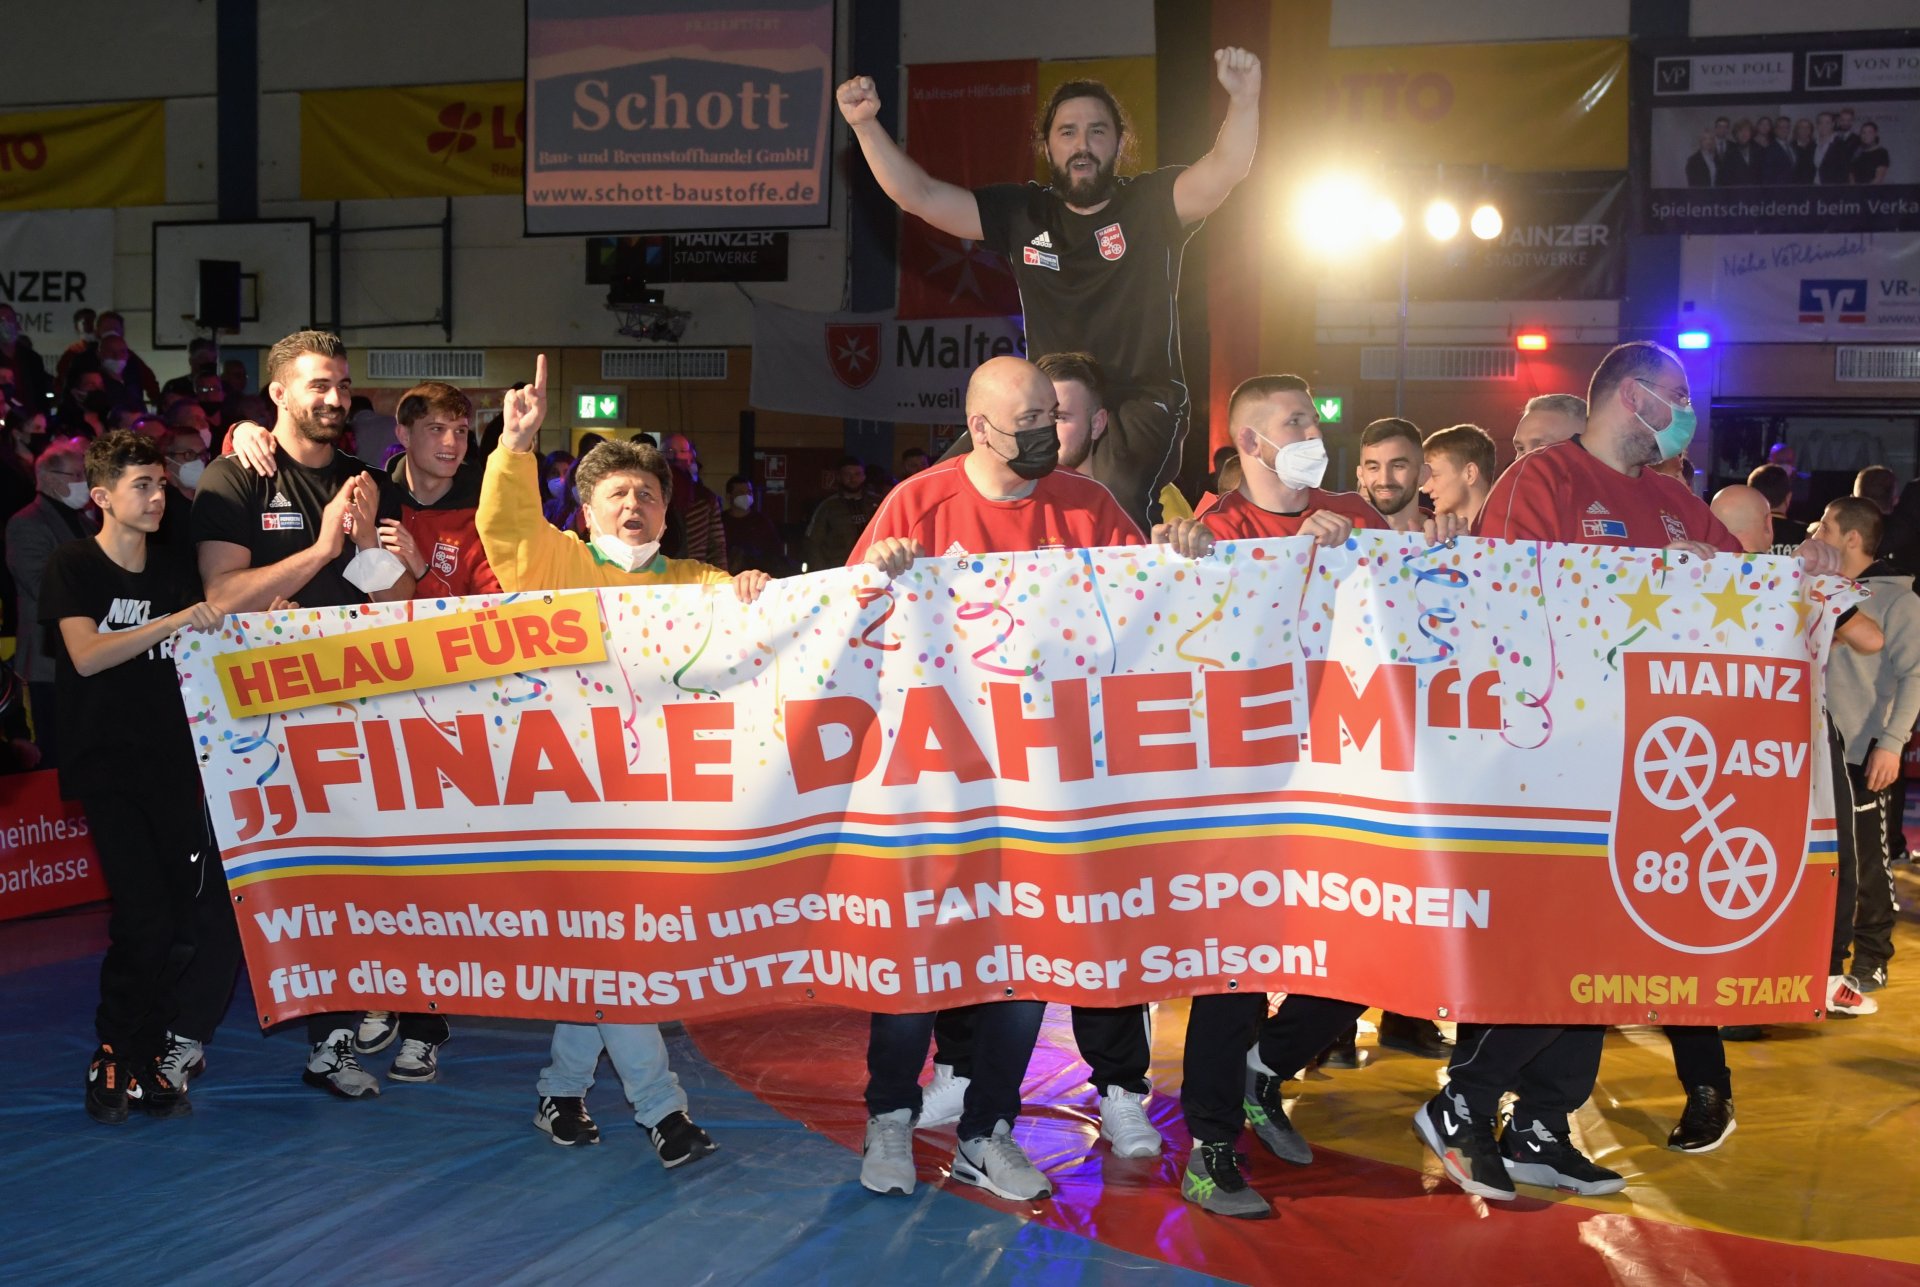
1331 410
599 409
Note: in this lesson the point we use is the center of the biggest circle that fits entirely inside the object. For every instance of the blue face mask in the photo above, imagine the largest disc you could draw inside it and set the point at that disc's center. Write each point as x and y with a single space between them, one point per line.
1679 431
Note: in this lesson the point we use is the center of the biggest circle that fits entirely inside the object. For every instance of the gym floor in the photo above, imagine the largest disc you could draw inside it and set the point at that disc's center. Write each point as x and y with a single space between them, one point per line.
270 1181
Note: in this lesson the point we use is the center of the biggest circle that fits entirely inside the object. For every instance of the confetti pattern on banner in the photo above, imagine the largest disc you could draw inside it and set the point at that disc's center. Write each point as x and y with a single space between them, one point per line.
1552 622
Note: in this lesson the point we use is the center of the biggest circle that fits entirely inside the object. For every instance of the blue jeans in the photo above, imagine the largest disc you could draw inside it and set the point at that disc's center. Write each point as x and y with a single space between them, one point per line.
639 1056
1003 1037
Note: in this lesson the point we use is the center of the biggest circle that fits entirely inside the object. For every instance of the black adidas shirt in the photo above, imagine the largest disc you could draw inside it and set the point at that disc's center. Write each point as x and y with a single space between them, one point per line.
125 726
1789 534
1103 283
277 517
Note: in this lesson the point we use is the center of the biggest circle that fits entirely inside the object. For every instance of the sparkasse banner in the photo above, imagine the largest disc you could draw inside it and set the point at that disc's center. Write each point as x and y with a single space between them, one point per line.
872 366
678 115
1383 771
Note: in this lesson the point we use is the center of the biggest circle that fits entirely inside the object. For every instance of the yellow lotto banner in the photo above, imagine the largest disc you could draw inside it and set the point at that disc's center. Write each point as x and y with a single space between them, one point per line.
321 670
84 156
1535 105
1133 81
414 141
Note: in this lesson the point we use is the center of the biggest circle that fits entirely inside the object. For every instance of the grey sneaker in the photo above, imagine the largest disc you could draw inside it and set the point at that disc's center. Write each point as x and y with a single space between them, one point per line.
999 1165
1268 1117
417 1061
886 1160
333 1068
376 1032
1214 1180
182 1060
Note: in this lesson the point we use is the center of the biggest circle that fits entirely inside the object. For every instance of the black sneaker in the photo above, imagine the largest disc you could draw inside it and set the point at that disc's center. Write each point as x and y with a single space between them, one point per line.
160 1095
1415 1036
1871 978
1214 1181
1267 1114
110 1087
566 1121
1744 1032
1705 1123
1343 1052
1465 1146
1534 1154
678 1141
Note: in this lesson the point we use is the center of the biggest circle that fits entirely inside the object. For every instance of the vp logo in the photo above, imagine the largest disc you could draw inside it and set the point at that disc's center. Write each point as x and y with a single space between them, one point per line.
1826 71
1833 299
1672 75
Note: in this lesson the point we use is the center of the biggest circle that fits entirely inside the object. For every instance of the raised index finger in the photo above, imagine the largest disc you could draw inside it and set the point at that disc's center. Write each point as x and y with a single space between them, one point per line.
540 375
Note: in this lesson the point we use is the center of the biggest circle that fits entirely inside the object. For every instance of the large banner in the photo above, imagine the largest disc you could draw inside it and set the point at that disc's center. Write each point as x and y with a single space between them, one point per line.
47 859
872 366
412 141
1813 133
51 263
1539 105
1564 238
84 156
1858 287
683 116
1490 782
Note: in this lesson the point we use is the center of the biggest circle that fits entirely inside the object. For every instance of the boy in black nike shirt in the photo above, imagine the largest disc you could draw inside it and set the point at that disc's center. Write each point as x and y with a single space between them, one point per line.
114 605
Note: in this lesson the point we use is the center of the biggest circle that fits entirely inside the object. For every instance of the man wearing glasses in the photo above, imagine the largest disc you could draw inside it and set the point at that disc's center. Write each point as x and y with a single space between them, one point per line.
186 461
1596 488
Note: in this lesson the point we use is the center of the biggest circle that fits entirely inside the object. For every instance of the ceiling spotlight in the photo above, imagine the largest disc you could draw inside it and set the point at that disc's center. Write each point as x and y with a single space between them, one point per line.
1383 219
1332 214
1443 220
1486 223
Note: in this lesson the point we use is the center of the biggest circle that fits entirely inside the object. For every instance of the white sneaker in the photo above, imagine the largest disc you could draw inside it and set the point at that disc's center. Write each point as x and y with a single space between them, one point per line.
886 1162
999 1165
332 1067
182 1060
377 1030
415 1062
1844 996
1124 1124
944 1097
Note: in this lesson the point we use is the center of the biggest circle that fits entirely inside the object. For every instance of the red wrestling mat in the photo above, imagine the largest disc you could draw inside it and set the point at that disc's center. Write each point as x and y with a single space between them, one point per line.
1380 1209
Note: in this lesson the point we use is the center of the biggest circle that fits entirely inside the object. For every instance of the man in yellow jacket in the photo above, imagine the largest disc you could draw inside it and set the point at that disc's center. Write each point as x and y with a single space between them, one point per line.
624 488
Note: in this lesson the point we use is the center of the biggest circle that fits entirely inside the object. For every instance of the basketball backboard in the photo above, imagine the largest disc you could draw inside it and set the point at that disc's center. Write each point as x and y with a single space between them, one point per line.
276 278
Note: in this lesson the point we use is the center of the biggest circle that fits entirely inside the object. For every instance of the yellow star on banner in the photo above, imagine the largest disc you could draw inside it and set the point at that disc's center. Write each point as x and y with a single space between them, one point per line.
1801 608
1643 604
1730 604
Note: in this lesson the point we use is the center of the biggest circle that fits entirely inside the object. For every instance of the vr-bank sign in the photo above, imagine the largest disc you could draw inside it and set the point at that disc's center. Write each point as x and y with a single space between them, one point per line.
872 366
1817 288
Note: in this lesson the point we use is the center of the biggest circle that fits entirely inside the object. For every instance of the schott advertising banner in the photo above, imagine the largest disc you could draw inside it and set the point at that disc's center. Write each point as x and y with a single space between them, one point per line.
677 116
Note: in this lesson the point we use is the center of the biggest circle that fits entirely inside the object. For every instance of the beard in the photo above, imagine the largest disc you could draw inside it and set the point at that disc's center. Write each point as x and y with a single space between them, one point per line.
320 424
1077 457
1090 191
1388 501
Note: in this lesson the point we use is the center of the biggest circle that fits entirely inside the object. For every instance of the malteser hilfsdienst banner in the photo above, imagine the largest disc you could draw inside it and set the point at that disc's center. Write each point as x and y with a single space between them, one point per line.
1383 771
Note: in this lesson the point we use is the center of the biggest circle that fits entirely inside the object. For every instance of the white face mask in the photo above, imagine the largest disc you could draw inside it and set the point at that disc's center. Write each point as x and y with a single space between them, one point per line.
630 558
743 503
1298 465
75 496
189 473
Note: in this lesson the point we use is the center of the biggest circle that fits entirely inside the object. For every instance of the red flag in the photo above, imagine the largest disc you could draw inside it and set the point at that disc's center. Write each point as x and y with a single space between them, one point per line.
970 124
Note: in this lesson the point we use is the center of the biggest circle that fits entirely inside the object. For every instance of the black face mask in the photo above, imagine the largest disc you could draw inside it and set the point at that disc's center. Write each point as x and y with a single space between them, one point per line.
99 402
1036 450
